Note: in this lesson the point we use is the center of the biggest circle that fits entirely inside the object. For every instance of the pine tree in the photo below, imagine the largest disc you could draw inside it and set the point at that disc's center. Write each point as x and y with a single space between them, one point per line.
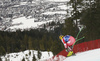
39 54
42 43
2 51
25 41
23 59
76 12
0 59
42 46
69 28
49 43
30 46
90 18
34 59
55 47
71 23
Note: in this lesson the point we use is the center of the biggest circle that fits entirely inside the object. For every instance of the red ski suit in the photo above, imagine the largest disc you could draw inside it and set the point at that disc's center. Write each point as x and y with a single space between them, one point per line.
70 42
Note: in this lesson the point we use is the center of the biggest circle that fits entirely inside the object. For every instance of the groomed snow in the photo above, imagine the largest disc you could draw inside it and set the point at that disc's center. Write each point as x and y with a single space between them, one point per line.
91 55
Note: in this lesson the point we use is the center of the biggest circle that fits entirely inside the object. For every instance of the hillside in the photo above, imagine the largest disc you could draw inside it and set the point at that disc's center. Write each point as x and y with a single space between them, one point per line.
28 55
37 25
26 15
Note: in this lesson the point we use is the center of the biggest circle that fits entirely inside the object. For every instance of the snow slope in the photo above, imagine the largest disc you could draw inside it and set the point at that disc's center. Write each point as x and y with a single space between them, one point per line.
27 55
91 55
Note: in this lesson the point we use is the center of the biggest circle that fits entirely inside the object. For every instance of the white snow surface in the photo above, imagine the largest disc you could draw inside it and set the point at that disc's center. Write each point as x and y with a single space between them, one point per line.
63 7
27 55
23 3
91 55
24 23
57 12
59 0
27 23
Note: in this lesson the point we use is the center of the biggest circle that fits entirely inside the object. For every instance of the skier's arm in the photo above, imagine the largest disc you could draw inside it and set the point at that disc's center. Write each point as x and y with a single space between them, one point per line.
65 44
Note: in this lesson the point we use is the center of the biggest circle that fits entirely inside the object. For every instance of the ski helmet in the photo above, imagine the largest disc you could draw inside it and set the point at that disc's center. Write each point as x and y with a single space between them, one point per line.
66 38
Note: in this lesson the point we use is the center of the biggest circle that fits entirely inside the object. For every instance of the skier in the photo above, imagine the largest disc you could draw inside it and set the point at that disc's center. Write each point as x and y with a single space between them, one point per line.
68 41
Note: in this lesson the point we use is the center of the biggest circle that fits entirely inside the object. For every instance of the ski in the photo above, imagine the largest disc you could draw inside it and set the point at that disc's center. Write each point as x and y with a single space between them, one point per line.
77 37
77 41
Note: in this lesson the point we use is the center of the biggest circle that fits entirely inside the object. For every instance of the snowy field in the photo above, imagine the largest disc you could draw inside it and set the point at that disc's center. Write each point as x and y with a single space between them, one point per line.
27 23
52 13
27 55
58 0
24 23
91 55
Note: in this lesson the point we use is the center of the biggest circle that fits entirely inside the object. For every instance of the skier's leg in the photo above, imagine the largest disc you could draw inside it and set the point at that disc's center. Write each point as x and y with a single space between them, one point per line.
69 48
70 51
